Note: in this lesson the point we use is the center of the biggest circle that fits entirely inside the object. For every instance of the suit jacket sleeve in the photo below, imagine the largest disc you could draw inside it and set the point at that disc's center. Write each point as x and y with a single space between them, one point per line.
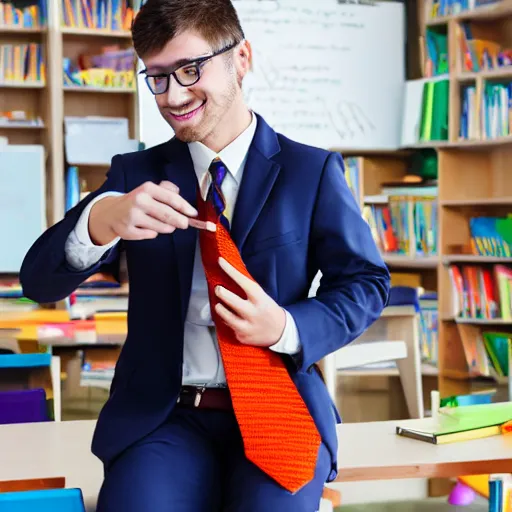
46 275
355 282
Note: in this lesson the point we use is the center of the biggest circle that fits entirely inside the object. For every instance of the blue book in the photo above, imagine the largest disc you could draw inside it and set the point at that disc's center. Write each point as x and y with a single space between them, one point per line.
47 500
72 188
495 493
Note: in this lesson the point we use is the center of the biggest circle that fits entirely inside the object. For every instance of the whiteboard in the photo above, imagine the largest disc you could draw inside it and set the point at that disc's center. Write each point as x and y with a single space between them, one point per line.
22 202
325 73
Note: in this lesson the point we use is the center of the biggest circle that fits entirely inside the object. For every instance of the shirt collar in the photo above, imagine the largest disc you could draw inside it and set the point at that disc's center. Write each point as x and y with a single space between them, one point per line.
233 155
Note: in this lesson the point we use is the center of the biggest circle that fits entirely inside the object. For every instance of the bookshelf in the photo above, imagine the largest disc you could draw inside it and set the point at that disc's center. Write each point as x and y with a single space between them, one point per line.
367 174
473 176
50 100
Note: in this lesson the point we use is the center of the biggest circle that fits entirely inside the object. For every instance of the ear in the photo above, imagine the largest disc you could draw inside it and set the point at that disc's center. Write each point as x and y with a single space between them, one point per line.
244 58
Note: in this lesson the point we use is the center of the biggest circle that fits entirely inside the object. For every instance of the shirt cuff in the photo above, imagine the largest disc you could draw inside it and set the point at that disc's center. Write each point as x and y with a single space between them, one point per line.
289 342
81 252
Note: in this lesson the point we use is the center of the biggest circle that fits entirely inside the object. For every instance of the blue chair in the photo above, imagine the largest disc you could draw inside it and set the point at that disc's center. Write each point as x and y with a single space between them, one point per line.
48 500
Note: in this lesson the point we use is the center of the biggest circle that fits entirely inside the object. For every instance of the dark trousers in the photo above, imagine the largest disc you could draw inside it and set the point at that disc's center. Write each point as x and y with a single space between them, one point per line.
195 462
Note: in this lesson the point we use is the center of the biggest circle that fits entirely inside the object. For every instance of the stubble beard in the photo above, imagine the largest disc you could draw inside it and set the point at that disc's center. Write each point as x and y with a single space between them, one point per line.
212 115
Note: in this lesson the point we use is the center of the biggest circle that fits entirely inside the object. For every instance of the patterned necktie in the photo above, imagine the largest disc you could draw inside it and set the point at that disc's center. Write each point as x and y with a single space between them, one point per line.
278 432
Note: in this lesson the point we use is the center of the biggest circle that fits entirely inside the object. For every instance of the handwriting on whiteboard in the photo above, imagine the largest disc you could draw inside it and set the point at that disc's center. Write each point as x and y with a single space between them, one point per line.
314 69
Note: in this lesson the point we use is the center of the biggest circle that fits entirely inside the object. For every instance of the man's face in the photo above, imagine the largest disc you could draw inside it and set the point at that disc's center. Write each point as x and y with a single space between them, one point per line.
194 112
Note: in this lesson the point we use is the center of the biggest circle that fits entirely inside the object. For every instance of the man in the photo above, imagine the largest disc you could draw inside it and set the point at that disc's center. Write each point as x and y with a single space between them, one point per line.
171 436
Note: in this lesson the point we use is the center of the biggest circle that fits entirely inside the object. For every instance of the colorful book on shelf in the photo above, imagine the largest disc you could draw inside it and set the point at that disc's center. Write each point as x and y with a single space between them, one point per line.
407 223
460 423
491 236
478 54
450 7
100 14
21 63
436 50
434 110
481 292
496 110
486 113
23 14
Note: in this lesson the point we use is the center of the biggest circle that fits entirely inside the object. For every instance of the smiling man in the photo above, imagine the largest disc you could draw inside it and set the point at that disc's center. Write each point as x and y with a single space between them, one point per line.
217 403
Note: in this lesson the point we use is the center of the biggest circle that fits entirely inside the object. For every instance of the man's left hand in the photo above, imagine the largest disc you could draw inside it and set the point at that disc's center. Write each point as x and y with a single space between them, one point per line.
257 320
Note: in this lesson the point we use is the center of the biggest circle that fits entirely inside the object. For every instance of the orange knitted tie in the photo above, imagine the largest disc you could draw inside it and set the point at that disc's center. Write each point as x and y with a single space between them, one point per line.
277 429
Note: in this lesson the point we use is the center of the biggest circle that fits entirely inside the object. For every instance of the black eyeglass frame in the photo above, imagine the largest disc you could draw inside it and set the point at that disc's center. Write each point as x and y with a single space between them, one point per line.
197 63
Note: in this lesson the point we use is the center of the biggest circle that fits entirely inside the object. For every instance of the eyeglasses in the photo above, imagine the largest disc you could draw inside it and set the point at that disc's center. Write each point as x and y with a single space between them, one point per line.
186 75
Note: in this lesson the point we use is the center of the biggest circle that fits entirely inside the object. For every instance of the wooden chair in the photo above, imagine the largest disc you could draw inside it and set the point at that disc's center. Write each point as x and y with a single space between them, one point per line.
399 326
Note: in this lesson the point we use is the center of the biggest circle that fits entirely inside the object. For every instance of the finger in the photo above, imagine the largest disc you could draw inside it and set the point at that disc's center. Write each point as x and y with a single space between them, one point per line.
175 201
165 214
169 185
247 284
154 224
230 318
139 234
239 306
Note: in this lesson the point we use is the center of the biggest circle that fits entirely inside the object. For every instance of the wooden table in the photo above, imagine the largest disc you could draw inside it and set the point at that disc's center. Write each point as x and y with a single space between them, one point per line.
372 451
367 451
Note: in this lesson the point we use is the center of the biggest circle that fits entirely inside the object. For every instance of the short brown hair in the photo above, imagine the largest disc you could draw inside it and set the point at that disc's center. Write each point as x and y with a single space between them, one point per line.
159 21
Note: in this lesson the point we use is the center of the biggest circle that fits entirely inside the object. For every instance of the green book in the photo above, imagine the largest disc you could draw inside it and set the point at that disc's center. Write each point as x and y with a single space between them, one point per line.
426 111
459 423
440 110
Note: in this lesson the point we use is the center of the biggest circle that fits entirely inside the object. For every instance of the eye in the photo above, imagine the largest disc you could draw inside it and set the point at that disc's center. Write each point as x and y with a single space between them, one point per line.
189 71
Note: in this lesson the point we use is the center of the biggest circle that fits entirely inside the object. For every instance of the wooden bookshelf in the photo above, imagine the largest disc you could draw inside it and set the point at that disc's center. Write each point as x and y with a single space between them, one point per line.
375 169
51 101
474 180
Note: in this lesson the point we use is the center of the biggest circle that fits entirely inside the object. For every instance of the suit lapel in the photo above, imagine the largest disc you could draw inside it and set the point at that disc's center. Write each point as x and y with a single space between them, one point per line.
258 179
180 171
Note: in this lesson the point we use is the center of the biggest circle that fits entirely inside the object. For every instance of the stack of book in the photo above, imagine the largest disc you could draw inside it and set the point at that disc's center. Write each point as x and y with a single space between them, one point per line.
12 298
19 118
451 424
114 67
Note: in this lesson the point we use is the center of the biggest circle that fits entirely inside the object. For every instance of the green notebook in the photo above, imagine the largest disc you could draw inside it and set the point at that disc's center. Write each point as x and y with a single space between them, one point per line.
460 423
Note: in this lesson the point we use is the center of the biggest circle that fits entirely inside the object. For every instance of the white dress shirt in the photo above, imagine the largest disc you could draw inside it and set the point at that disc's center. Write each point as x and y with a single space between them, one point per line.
202 363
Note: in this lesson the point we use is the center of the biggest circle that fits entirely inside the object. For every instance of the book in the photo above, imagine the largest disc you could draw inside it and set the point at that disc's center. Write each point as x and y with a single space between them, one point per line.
460 423
486 113
481 292
434 112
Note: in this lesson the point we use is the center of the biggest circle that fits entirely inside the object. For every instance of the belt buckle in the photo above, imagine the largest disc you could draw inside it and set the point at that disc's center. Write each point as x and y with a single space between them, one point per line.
199 396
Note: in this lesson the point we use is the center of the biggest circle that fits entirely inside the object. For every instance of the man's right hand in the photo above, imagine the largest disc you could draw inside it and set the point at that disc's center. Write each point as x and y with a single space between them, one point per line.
143 213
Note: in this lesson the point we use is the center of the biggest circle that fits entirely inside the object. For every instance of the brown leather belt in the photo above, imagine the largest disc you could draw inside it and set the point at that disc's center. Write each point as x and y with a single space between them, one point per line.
205 398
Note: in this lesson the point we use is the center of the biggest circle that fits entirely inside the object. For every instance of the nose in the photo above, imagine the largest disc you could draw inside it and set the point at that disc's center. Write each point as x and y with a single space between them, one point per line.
176 94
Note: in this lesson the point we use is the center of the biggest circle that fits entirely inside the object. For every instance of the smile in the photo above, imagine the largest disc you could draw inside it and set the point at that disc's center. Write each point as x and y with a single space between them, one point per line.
188 115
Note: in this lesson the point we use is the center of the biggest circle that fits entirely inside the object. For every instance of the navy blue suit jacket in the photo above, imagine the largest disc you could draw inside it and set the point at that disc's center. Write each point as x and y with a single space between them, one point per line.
294 215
